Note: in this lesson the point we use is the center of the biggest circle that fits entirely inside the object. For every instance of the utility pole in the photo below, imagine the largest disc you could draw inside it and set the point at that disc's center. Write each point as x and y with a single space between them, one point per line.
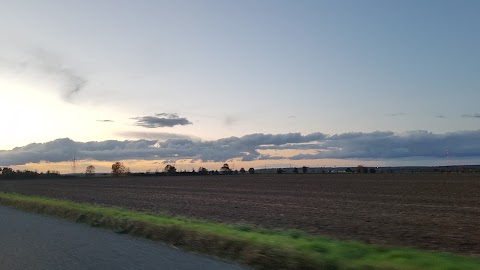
74 165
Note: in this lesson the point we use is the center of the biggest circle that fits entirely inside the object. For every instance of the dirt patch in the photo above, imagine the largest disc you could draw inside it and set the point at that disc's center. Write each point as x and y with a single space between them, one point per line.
428 211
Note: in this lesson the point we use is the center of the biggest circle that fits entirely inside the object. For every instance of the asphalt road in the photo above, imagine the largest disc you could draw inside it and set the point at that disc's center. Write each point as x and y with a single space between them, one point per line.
32 241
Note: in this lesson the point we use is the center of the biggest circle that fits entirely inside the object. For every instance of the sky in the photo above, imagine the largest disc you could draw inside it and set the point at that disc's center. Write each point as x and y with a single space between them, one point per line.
255 83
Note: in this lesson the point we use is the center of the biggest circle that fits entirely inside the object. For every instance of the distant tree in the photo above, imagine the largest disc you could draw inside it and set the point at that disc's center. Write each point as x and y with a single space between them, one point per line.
202 170
372 170
225 169
295 170
362 169
118 169
7 171
280 171
304 169
348 170
90 170
242 171
235 172
251 170
171 170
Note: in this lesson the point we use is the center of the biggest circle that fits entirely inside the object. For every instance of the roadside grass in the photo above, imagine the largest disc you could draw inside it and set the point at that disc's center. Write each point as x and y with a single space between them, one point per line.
247 245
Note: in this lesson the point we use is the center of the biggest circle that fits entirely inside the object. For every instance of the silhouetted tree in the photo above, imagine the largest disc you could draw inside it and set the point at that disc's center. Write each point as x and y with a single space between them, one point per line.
372 170
118 169
171 170
8 171
90 170
202 170
295 170
225 169
251 170
304 169
242 171
348 170
279 171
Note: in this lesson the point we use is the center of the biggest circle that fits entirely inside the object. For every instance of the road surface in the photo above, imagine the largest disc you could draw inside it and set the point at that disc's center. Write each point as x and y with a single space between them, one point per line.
32 241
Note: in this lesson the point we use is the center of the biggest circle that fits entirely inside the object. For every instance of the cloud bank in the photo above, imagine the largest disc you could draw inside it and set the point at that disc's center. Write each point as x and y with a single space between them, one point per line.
161 120
375 145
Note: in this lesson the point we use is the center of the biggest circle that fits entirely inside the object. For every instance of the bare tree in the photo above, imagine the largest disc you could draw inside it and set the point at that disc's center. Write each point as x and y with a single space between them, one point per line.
118 169
90 170
169 169
202 170
225 169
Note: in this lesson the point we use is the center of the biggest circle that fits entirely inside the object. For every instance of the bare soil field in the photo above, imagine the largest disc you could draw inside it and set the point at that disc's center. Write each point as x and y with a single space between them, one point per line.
428 211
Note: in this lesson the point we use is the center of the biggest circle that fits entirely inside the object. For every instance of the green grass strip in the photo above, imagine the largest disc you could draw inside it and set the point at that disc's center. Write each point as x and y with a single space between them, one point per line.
260 248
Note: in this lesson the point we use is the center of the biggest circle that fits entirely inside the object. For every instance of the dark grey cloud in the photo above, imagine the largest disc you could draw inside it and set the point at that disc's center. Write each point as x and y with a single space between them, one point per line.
105 120
161 120
377 145
476 115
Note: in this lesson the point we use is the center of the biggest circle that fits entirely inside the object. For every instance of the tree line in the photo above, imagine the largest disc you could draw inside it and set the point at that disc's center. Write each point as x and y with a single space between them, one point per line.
9 173
119 169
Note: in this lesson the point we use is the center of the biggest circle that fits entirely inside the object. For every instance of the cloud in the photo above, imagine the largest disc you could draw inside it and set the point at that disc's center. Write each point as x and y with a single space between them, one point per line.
377 145
397 114
161 120
477 115
72 82
441 116
105 120
230 120
40 62
160 136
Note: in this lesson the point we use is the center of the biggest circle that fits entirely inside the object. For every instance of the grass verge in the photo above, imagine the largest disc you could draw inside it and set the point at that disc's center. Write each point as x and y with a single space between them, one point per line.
260 248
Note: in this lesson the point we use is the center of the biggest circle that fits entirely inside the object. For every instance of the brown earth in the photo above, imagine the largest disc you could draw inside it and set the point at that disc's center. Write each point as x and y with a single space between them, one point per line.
428 211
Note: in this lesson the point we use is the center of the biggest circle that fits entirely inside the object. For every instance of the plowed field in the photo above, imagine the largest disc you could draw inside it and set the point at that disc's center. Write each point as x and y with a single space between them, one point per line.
428 211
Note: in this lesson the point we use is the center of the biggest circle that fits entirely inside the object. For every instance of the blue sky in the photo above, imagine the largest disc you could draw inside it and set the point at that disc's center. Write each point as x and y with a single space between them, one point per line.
235 68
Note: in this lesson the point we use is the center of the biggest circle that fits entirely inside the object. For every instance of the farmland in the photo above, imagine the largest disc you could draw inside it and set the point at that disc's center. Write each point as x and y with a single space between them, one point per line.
427 211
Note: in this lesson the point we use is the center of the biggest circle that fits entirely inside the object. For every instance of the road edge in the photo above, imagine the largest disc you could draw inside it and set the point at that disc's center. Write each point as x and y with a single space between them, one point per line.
260 248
